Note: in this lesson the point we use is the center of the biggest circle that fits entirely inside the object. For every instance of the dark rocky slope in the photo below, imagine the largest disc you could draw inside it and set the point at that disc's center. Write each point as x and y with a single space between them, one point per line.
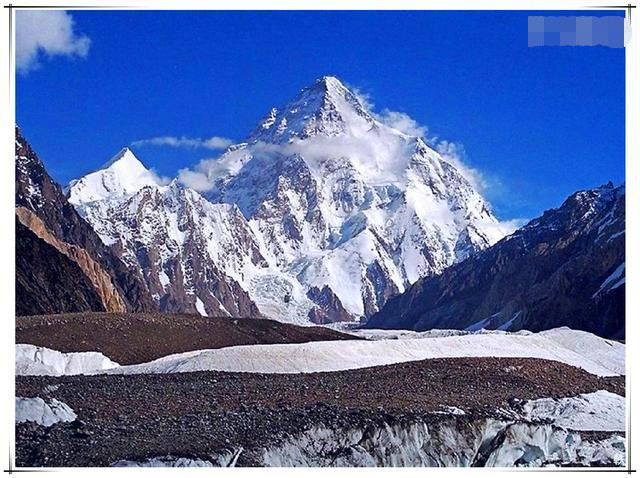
565 268
44 209
47 280
136 338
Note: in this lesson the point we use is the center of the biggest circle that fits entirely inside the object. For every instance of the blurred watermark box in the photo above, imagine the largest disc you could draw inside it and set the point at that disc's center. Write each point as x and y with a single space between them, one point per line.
611 31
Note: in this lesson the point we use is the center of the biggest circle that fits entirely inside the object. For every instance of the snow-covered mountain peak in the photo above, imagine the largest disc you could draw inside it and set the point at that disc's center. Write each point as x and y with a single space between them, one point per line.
123 175
333 91
350 207
125 155
331 212
329 81
326 107
175 184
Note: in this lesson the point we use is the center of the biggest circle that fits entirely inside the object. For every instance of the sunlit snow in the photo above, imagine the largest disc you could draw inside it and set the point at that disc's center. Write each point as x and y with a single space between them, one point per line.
579 349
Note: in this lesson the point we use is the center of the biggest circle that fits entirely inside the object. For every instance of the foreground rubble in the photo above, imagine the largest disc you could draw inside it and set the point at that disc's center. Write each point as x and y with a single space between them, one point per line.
439 412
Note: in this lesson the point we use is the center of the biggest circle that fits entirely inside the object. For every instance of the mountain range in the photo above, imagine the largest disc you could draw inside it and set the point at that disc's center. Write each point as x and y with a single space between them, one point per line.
565 268
324 213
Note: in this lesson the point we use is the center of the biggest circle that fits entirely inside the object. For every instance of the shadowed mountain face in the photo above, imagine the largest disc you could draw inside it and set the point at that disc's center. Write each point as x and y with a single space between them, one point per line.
42 209
47 280
565 268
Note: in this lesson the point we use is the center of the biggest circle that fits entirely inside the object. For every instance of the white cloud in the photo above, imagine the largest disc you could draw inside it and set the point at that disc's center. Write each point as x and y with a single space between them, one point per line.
198 180
511 225
394 119
364 98
456 155
204 174
158 178
496 231
48 32
403 123
215 142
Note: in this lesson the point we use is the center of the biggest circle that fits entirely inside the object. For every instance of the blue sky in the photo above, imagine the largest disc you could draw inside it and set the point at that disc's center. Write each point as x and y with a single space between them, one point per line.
538 123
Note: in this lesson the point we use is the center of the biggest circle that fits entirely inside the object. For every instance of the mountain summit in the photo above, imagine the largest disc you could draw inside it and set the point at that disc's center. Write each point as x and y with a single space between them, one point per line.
348 205
322 214
124 174
326 107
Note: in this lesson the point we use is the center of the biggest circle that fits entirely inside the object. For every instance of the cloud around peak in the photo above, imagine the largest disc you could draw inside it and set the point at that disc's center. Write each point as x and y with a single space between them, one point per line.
202 176
215 142
403 123
46 33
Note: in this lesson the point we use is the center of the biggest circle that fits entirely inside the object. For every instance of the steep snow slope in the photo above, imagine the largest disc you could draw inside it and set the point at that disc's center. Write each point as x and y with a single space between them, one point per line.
580 349
192 254
123 174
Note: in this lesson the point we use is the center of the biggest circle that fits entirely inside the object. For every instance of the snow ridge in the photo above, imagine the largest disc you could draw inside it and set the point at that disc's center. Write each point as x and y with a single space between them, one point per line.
122 175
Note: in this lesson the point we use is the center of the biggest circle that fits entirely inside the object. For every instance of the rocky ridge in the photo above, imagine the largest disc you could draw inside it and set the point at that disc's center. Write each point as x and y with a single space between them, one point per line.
42 208
565 268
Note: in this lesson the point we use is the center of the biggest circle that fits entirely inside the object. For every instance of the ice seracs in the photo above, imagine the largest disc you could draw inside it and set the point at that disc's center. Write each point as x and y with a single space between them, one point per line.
597 411
35 360
38 411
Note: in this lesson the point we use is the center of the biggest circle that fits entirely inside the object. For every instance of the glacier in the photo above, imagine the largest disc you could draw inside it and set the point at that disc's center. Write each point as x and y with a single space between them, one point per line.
35 360
451 441
579 349
573 347
36 410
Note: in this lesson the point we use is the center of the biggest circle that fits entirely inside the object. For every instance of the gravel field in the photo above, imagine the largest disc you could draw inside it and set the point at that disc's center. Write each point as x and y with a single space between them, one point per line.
199 413
135 338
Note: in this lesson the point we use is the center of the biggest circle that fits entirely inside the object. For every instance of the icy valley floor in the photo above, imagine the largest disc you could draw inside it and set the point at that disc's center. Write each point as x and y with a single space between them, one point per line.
260 393
438 412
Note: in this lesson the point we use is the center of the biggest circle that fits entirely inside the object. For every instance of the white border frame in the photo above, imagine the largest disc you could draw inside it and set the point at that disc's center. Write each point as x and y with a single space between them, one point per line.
7 203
